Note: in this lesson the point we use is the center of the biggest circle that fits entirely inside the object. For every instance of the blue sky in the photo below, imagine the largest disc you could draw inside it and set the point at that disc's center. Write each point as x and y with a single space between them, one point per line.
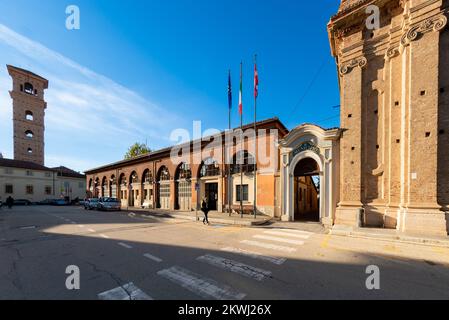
139 69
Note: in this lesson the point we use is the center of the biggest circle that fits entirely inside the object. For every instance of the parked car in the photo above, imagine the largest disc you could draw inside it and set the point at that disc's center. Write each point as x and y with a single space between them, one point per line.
109 204
46 202
22 202
91 204
61 202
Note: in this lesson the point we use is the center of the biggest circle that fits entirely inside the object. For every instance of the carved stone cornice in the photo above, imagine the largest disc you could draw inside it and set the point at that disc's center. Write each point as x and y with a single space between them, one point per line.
347 67
436 23
348 6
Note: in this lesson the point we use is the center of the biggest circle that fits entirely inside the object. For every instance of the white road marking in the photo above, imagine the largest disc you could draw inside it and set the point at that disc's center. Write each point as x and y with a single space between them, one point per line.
124 245
27 228
91 230
288 234
235 266
126 292
295 231
255 255
151 257
268 246
104 236
276 239
201 286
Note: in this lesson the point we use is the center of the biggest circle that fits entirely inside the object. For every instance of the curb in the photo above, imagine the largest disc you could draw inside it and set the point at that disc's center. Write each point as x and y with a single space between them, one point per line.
395 238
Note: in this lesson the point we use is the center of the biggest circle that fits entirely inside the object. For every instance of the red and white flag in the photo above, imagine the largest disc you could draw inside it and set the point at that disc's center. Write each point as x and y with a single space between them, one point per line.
256 81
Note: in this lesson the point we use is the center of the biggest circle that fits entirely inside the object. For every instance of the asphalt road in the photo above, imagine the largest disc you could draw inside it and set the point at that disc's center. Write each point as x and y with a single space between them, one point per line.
122 257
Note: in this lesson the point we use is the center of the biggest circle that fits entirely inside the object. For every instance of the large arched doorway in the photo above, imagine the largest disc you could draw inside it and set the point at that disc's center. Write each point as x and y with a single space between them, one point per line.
147 189
183 187
90 192
123 189
306 187
113 186
104 187
97 190
133 189
163 188
311 154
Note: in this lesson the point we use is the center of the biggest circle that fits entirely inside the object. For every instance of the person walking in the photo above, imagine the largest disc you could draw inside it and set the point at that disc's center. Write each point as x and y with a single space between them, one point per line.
10 202
205 209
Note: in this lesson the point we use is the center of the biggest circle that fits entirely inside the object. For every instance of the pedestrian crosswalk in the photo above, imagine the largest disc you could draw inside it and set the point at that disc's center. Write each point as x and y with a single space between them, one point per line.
235 266
126 292
276 241
200 285
255 255
266 245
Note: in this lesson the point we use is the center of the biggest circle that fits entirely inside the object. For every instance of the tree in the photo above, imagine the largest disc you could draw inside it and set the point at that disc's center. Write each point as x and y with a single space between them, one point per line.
136 150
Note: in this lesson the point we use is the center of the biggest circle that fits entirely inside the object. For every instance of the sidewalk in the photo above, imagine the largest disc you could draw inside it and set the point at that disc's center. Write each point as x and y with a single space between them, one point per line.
214 217
388 235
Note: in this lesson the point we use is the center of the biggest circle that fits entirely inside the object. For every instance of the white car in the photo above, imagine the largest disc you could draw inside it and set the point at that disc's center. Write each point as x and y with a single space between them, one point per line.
91 204
109 204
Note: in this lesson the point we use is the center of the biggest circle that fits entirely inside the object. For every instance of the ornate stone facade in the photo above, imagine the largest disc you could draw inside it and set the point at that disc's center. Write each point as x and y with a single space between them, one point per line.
394 85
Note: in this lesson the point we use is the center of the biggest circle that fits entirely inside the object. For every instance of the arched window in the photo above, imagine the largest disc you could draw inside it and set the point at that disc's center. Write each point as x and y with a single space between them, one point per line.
209 168
122 180
244 162
29 88
134 178
29 134
183 172
30 151
147 177
164 174
29 116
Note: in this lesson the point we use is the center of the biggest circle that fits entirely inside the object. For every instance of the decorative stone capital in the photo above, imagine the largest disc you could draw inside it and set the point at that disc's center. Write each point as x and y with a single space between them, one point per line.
391 53
346 67
436 24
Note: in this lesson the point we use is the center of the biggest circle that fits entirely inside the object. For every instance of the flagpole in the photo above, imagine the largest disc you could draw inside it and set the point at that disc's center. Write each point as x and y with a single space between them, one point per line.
227 164
256 80
241 139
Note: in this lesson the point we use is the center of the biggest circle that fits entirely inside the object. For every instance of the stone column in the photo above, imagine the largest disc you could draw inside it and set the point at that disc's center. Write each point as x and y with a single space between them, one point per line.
351 141
422 213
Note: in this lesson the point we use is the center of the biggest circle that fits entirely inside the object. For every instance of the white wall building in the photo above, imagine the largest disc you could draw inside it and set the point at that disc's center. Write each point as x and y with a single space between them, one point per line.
34 182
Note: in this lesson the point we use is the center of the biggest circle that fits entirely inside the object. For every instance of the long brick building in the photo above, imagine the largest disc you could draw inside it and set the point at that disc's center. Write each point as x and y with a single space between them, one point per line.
387 166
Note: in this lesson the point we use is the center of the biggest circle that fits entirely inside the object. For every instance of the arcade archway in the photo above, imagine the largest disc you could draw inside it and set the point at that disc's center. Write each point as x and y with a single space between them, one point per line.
307 191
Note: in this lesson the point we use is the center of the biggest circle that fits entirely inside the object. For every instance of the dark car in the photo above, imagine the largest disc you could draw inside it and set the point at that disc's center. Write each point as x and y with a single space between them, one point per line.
22 202
61 202
109 204
46 202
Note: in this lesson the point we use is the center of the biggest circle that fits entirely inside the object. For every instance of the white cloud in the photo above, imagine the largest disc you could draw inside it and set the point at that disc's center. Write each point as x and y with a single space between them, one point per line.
87 113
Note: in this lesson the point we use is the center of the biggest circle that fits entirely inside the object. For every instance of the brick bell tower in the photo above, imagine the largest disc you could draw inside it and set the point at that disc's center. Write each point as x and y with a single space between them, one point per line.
28 114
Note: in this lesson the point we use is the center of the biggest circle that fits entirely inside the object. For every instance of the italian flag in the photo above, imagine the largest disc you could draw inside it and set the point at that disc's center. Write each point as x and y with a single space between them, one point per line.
241 92
256 81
